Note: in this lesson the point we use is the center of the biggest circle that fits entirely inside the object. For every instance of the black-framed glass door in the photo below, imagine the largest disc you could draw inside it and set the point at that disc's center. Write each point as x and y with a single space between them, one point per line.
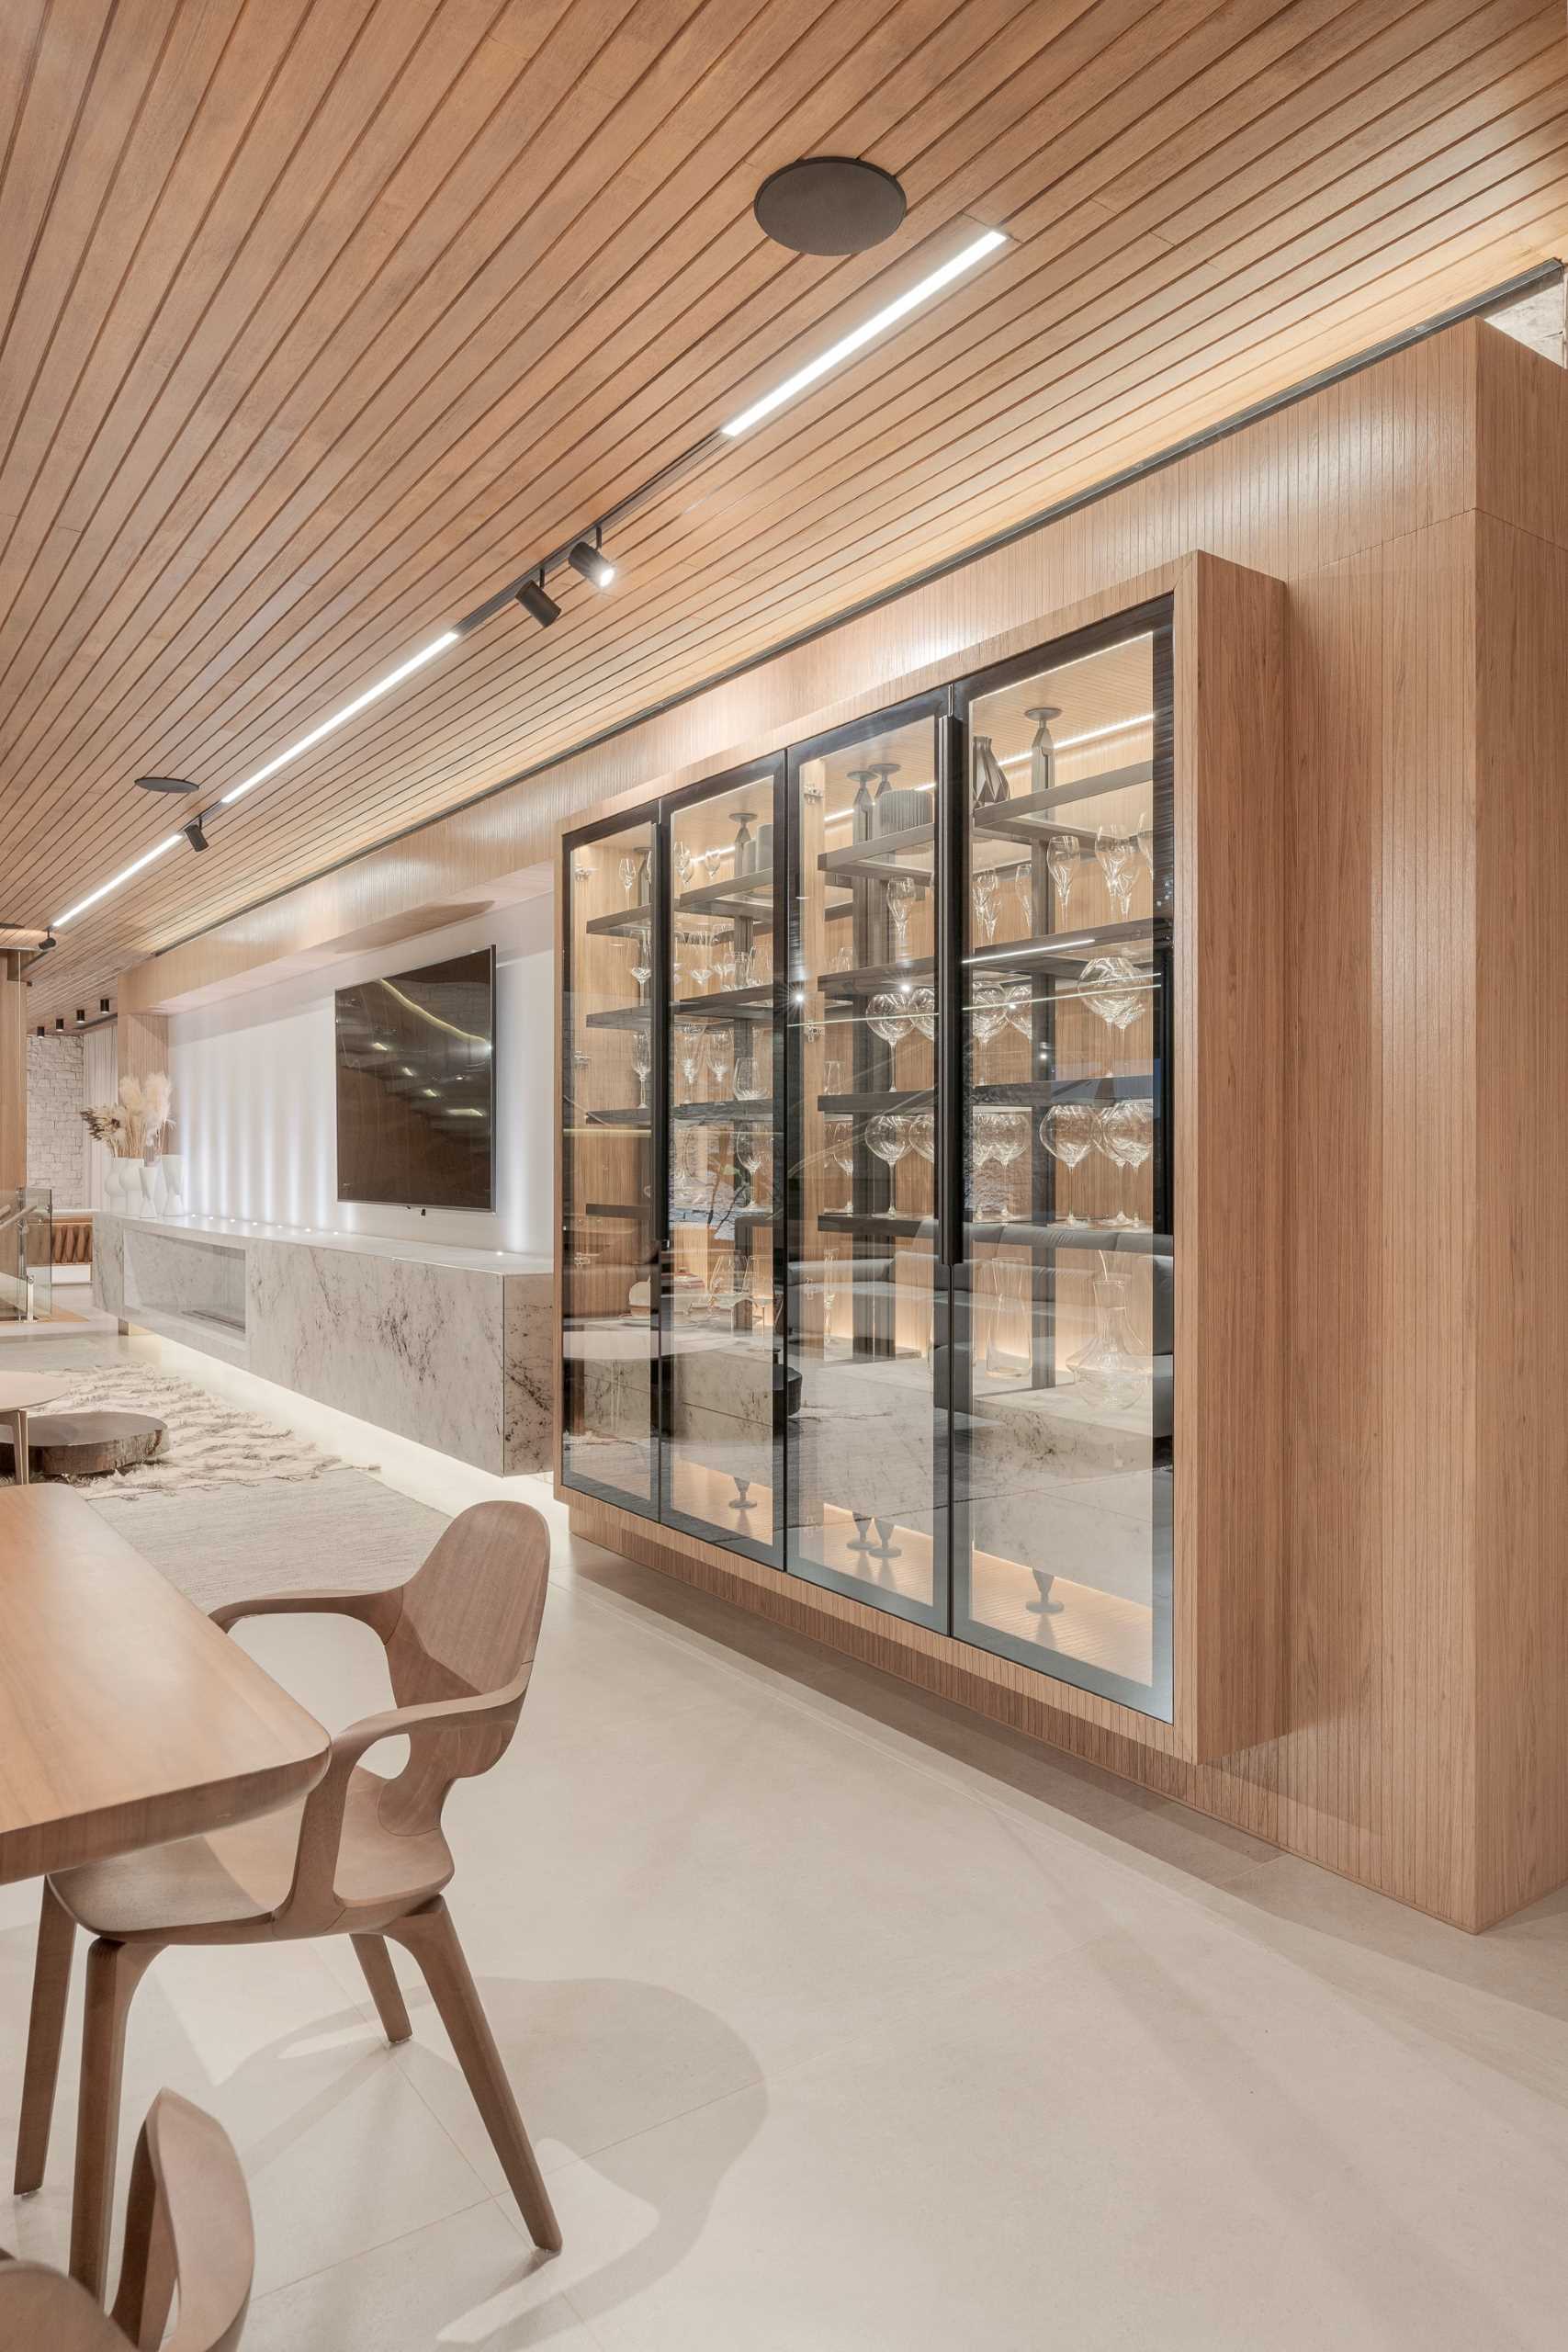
1062 1464
611 1112
721 1417
866 1271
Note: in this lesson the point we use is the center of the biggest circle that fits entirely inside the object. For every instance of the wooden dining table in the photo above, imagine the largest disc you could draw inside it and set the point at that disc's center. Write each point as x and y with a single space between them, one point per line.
127 1718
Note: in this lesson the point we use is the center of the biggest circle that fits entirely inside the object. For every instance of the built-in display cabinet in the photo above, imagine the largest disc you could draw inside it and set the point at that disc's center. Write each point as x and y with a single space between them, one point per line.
872 1170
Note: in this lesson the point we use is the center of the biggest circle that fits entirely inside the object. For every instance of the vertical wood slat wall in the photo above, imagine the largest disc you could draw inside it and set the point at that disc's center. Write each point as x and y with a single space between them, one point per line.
1419 514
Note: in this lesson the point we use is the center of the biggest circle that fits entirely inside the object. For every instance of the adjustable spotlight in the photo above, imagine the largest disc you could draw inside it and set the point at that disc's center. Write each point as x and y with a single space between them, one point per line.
40 1029
59 1021
535 601
103 1004
81 1016
588 559
193 833
164 784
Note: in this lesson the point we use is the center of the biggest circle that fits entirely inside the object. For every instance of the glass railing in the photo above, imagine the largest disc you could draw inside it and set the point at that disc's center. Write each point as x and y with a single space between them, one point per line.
26 1254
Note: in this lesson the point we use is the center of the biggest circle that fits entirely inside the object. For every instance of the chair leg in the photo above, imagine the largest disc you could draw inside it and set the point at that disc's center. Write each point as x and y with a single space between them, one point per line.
114 1972
147 2265
46 2032
433 1939
385 1990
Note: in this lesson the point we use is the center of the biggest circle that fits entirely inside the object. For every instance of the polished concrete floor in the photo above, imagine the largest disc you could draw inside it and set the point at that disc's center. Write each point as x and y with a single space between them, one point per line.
843 2022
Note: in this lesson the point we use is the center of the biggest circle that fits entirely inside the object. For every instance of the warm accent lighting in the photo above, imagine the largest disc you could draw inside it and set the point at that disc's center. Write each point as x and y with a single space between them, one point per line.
594 566
867 331
139 866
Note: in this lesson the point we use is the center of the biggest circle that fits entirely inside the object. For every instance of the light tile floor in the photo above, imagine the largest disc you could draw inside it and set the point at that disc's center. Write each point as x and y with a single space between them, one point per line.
843 2021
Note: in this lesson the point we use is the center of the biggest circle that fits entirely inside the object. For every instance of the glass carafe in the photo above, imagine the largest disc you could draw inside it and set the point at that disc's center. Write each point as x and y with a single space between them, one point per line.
1112 1371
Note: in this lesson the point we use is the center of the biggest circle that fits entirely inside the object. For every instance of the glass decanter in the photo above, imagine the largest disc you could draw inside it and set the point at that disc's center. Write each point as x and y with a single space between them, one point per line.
1112 1371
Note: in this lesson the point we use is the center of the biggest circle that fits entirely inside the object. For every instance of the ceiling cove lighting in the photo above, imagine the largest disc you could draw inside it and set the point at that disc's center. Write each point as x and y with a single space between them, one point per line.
867 331
137 866
438 646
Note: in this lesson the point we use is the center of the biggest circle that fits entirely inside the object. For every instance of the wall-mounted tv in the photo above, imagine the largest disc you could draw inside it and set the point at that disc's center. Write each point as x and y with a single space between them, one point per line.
416 1086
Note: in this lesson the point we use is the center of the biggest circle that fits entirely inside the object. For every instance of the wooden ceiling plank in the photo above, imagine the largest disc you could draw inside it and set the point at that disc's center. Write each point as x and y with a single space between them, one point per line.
62 60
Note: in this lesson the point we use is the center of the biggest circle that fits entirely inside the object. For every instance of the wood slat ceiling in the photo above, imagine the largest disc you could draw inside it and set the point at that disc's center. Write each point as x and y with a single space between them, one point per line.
322 318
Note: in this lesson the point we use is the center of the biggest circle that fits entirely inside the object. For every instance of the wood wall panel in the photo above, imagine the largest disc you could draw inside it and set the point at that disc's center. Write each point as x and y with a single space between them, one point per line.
13 1073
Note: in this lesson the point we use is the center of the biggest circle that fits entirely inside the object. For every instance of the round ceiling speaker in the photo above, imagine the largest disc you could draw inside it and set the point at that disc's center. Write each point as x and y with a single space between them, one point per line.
828 204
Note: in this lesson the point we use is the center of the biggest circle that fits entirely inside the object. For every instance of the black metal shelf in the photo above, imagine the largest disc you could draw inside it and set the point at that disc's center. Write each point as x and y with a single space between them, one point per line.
733 897
849 1106
625 1016
724 1114
892 1229
622 924
755 1005
633 1118
1027 816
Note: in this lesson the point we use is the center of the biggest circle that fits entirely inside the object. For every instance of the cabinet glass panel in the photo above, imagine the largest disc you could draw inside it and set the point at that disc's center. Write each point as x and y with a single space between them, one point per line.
1063 1467
868 1473
723 1475
610 1253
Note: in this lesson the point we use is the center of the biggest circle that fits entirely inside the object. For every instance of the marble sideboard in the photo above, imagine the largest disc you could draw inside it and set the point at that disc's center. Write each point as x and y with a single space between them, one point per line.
450 1346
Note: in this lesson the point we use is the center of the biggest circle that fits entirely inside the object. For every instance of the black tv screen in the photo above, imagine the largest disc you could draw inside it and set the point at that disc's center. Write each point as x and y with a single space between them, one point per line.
416 1086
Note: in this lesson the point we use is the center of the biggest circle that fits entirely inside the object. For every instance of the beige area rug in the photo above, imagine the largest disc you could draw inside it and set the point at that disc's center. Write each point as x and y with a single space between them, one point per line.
210 1444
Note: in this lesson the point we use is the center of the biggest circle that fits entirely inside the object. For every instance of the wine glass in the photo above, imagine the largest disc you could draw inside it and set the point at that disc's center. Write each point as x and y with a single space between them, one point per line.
721 1058
1067 1131
1117 852
900 893
702 958
888 1138
750 1085
750 1154
1011 1139
1062 865
642 967
642 1062
1113 988
1144 834
829 1294
983 891
841 1152
1017 1003
922 1010
843 961
691 1047
725 964
628 870
887 1017
683 864
988 1011
1024 898
922 1135
1127 1136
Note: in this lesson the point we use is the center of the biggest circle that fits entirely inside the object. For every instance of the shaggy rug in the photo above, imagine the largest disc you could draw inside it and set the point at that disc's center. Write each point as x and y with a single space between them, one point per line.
210 1443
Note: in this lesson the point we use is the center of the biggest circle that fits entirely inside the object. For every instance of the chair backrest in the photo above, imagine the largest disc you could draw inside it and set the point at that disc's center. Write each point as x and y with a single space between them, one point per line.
469 1625
187 2232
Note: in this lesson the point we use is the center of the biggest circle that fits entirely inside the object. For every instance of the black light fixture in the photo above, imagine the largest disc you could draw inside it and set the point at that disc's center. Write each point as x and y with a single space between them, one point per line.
103 1004
193 833
40 1029
81 1016
164 784
59 1021
588 558
536 601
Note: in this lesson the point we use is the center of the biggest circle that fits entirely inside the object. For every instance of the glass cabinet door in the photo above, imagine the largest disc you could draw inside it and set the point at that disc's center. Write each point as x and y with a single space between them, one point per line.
722 1443
610 1263
866 1284
1063 1455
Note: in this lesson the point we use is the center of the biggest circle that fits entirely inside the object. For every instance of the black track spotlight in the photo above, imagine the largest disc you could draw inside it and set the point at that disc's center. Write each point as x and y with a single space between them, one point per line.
103 1004
40 1029
193 833
81 1016
588 558
538 603
58 1022
164 784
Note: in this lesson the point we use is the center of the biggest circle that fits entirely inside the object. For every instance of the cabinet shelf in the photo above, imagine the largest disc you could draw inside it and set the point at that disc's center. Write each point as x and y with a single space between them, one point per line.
745 896
1030 815
622 923
620 1016
755 1005
633 1118
725 1115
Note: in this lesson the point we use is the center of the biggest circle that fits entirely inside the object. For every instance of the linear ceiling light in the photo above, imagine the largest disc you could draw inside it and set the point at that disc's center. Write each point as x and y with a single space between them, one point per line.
137 866
341 718
867 331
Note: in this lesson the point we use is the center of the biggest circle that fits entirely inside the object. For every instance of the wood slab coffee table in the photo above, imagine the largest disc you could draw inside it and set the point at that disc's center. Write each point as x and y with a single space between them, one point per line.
125 1717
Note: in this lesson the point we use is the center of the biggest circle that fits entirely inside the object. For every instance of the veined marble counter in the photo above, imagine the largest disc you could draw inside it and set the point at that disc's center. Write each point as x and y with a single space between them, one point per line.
450 1346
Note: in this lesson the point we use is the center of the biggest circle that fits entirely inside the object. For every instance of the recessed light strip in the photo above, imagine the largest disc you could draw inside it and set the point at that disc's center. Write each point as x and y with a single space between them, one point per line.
341 718
159 849
867 331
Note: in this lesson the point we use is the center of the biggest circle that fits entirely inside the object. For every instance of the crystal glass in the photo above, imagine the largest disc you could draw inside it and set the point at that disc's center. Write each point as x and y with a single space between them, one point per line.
900 892
683 864
750 1152
1011 1140
922 1010
983 891
726 961
841 1152
642 1062
630 867
691 1052
921 1131
702 958
1067 1131
721 1063
752 1078
1062 865
984 1139
887 1017
642 963
888 1138
1126 1135
1113 989
1117 852
1023 898
1112 1371
746 968
832 1076
989 1011
1009 1337
1017 1003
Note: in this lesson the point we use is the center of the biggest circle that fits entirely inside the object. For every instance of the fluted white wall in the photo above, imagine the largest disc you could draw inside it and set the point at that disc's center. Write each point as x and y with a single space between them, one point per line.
255 1103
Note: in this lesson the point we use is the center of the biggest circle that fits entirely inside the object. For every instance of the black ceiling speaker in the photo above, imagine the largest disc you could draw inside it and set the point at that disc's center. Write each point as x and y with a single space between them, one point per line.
828 204
163 784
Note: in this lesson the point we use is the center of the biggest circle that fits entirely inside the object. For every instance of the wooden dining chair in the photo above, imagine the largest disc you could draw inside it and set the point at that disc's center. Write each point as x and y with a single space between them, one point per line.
361 1856
187 2233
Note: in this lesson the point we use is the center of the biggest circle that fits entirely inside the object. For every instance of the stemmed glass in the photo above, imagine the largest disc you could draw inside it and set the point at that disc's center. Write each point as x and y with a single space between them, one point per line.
1068 1132
642 1062
692 1044
1018 999
642 967
1010 1140
1117 852
983 890
888 1138
900 899
832 1076
1023 895
922 1010
983 1139
829 1294
630 868
749 1078
749 1153
683 864
1113 989
1062 865
1126 1135
841 1152
721 1057
887 1018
